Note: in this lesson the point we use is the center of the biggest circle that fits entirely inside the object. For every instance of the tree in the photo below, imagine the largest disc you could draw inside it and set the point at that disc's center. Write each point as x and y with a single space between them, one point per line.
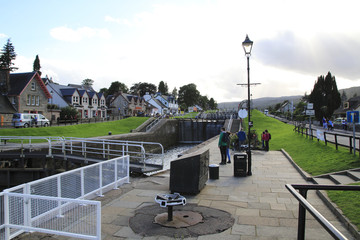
325 96
143 88
36 66
87 83
204 102
174 93
188 96
163 88
7 56
212 104
69 113
117 87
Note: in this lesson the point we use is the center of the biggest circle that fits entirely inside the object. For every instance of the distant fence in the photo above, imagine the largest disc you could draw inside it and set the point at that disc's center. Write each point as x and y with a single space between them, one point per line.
61 122
330 137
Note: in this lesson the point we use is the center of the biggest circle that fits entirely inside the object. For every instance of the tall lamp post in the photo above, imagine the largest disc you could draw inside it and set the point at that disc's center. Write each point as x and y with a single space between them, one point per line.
247 45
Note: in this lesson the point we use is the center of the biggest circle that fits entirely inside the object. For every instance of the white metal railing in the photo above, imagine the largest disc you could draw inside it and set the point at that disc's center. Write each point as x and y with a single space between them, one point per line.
152 124
91 147
229 123
79 218
37 206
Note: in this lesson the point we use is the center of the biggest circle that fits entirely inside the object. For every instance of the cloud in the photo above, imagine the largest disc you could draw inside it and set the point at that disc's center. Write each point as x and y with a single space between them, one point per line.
2 35
76 35
337 53
118 21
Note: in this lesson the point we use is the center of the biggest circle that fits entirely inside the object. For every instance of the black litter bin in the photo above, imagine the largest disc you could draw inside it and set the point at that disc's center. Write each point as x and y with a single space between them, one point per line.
214 171
240 164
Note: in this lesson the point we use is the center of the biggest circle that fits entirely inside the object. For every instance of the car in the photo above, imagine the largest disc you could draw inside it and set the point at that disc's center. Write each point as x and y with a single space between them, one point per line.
338 120
26 120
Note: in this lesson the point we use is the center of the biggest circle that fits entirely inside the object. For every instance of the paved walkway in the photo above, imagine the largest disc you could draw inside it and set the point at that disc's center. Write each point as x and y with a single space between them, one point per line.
260 204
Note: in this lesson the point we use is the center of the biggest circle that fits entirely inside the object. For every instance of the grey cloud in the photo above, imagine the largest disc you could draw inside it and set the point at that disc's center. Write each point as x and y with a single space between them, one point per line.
339 54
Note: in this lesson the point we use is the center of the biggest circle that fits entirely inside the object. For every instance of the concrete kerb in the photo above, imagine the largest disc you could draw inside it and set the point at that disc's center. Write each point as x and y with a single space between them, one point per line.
323 196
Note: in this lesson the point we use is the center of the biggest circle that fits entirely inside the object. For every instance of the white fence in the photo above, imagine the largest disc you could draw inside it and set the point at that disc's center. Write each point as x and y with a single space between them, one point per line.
56 204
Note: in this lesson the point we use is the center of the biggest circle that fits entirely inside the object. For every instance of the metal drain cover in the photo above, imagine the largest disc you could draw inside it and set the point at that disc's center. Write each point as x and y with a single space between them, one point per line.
181 219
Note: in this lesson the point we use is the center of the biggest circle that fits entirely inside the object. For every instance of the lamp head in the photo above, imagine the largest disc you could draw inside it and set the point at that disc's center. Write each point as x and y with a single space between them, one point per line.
247 45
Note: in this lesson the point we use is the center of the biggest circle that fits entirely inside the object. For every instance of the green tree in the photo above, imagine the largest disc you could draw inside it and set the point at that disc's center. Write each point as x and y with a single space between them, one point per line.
143 88
188 96
87 83
69 113
212 104
204 102
174 93
117 87
325 96
7 56
36 65
163 88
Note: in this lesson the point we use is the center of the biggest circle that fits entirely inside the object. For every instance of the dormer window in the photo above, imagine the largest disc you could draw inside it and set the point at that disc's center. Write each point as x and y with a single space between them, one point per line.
346 105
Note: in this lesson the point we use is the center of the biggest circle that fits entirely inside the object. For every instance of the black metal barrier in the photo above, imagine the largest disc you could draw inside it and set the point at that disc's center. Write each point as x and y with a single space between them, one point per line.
308 133
305 205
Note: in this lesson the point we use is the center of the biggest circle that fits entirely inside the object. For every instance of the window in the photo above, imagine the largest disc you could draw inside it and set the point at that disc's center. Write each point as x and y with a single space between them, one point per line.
33 100
12 99
28 102
33 86
37 100
85 99
75 99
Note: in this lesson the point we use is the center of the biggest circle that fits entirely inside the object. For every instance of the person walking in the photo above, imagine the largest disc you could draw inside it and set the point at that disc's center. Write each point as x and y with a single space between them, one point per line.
267 138
242 138
222 145
263 140
228 146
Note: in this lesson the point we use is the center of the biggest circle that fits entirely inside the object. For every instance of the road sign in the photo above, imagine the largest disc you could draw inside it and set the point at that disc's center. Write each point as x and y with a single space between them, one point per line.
310 112
349 116
310 106
242 113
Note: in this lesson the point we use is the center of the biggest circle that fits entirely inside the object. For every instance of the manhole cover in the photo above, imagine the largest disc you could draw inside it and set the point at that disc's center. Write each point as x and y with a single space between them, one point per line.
180 219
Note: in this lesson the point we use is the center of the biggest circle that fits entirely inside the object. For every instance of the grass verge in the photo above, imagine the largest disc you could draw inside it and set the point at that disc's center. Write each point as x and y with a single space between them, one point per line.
312 156
80 130
349 203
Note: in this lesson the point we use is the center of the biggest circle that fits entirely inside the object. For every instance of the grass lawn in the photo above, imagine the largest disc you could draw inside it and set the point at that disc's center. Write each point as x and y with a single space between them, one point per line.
349 203
80 130
312 156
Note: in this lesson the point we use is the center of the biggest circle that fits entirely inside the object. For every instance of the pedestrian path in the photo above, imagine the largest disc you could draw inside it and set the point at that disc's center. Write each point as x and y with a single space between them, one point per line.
260 204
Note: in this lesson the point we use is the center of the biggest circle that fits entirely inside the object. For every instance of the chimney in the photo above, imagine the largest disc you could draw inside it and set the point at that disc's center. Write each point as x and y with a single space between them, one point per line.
4 81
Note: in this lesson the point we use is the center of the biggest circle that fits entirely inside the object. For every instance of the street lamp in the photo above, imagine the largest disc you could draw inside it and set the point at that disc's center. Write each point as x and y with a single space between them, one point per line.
247 45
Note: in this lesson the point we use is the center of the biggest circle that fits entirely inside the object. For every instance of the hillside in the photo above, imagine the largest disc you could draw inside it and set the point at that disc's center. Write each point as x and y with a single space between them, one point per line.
262 103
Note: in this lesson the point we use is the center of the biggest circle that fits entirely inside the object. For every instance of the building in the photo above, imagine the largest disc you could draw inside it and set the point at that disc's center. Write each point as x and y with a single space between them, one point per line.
24 92
88 103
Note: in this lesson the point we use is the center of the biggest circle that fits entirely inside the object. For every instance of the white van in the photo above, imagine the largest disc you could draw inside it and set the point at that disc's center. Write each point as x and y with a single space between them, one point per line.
29 120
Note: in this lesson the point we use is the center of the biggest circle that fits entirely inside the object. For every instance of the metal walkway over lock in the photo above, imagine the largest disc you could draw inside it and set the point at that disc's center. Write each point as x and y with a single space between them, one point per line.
145 157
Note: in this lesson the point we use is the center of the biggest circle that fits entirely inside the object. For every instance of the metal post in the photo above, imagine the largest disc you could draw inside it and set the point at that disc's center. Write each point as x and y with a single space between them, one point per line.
249 173
302 217
353 122
170 213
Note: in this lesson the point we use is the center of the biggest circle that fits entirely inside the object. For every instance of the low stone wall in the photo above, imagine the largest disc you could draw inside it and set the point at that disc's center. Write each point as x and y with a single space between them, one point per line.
165 132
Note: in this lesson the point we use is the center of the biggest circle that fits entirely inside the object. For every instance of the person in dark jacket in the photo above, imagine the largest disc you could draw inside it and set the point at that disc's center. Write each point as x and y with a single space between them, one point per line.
222 145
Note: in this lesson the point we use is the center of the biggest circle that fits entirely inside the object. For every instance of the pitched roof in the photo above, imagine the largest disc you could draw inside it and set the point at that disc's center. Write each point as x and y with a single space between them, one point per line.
18 82
5 106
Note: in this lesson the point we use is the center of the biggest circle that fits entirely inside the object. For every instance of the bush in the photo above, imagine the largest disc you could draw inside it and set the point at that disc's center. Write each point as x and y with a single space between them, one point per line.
69 113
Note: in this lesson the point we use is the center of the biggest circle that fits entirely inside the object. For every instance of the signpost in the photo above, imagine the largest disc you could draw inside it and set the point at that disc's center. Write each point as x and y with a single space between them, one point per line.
353 117
310 112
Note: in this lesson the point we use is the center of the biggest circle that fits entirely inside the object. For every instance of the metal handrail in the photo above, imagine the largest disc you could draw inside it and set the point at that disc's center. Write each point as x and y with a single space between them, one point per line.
305 205
66 144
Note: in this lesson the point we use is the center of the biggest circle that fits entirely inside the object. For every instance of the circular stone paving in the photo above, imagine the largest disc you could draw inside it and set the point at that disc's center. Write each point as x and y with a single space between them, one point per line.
146 221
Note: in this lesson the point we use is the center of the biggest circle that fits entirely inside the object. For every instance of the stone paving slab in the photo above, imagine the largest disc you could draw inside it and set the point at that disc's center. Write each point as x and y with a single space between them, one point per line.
260 204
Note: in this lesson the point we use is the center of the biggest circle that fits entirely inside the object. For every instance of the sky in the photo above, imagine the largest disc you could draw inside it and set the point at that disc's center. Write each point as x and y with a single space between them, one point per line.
188 41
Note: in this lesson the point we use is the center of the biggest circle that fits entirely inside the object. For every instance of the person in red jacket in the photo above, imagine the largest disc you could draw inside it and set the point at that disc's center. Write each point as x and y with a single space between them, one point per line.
267 137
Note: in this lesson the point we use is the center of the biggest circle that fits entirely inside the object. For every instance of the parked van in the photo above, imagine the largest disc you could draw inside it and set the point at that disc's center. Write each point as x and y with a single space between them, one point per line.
29 120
